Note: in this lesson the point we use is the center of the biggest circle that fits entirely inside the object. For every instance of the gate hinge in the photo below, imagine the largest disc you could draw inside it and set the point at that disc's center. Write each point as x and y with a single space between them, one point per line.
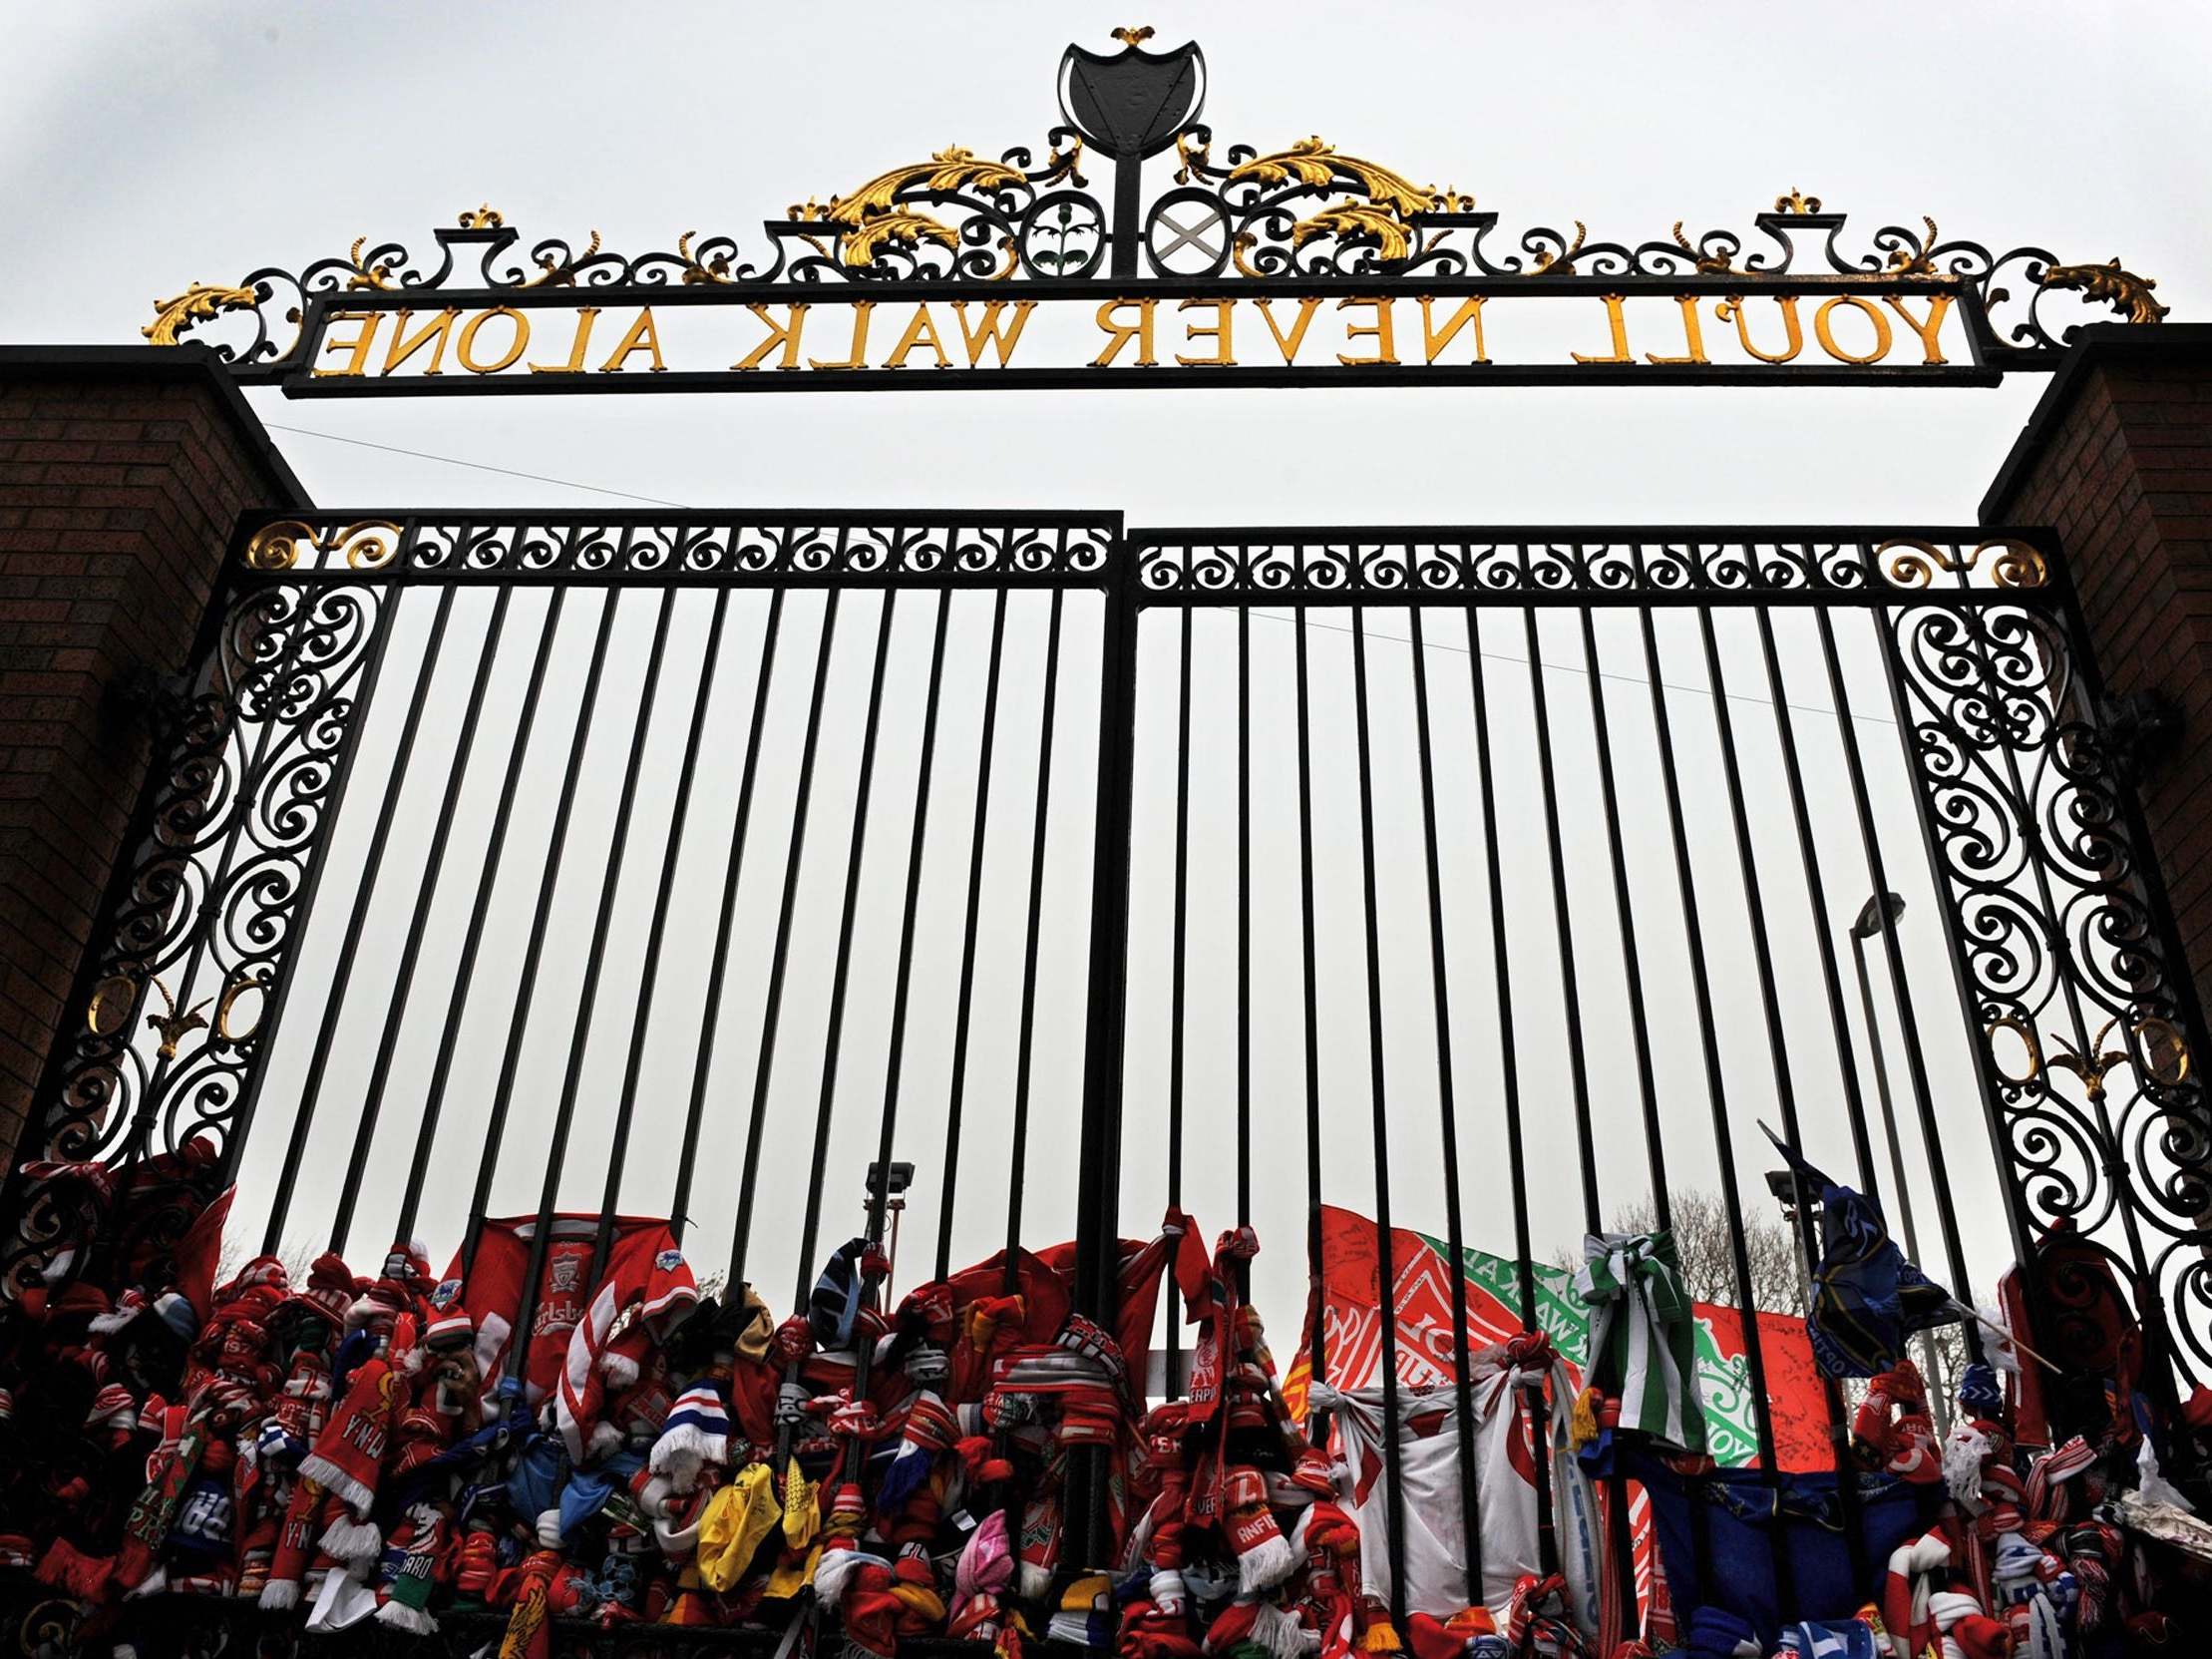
145 697
2142 728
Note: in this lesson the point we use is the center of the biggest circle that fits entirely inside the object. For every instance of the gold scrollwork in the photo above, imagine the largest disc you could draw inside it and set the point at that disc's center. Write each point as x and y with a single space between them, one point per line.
1913 563
716 270
240 984
950 169
900 228
369 545
1546 260
124 987
2027 1034
1713 264
2091 1067
562 272
373 273
173 1025
1356 219
2110 284
173 318
1314 162
1916 262
484 218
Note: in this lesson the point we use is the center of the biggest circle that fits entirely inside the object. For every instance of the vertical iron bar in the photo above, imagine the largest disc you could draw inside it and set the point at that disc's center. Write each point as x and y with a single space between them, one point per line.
1176 1003
587 996
1777 1037
1685 882
1244 935
426 1126
494 1128
1621 1545
1018 1153
464 972
1317 1356
764 1070
648 979
1546 1535
841 974
1378 1102
1470 1509
364 895
1098 1195
879 1191
964 1007
710 1014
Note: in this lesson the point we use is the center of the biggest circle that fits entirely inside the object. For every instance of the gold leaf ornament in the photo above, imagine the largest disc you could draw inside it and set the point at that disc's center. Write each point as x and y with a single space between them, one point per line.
1355 218
2112 285
950 169
173 318
900 227
1316 163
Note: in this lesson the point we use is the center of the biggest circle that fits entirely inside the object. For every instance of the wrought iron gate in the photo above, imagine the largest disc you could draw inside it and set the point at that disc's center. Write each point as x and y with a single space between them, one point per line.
708 836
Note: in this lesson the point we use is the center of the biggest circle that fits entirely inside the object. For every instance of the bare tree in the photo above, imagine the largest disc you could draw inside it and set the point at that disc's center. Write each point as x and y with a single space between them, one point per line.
1704 1241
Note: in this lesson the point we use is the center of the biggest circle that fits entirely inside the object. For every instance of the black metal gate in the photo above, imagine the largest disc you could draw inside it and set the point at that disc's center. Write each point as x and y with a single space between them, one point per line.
1501 876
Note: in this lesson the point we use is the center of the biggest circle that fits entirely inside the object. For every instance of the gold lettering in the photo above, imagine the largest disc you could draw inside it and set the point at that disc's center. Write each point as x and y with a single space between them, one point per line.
988 333
586 316
1734 309
921 331
856 356
1931 332
1140 331
1620 326
1379 332
432 333
1289 348
643 335
1693 336
357 363
786 336
1434 342
1874 315
1224 356
514 347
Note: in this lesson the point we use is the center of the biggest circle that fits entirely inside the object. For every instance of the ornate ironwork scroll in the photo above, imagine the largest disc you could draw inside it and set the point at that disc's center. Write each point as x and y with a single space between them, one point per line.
1300 217
2064 938
202 918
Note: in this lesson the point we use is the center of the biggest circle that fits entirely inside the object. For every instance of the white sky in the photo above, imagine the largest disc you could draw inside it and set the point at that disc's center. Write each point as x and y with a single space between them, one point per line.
145 147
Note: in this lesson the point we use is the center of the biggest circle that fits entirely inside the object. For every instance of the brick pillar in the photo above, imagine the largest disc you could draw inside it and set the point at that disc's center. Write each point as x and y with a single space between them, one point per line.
122 471
2117 458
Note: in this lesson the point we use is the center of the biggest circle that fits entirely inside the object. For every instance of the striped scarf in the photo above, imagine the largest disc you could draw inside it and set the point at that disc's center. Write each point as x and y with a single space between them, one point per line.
1643 1338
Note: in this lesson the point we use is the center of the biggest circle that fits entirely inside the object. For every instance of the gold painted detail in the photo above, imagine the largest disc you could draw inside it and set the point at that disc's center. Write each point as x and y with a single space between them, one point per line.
2109 284
716 270
1191 157
1913 563
240 984
172 1024
376 273
1905 262
1796 203
198 303
2166 1054
952 169
1564 260
484 218
1713 264
561 273
1314 162
367 544
1134 37
900 227
1356 219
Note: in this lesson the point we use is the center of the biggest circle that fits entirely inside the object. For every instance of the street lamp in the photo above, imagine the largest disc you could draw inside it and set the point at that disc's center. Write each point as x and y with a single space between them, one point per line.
1881 913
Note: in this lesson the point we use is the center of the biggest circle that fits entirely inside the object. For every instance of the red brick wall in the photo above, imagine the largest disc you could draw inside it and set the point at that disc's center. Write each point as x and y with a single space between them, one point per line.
121 474
2118 460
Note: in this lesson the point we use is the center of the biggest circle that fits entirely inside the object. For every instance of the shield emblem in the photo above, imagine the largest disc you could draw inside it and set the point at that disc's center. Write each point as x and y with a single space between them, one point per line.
1135 101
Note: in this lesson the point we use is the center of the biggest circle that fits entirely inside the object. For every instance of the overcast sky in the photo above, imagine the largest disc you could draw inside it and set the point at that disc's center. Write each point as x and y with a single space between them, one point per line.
147 147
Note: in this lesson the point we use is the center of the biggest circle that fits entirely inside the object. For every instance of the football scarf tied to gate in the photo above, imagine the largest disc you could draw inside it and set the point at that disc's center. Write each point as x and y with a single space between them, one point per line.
1866 1297
1643 1340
